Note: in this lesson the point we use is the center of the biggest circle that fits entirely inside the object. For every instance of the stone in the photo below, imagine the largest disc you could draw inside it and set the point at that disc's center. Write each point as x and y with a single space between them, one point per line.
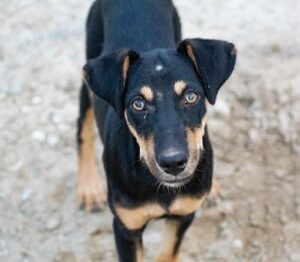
38 135
53 223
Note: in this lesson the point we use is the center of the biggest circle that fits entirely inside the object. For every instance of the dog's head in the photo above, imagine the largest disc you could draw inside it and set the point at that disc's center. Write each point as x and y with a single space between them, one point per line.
163 95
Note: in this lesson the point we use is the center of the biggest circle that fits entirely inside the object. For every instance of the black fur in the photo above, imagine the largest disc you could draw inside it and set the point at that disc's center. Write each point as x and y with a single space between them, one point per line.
148 32
215 62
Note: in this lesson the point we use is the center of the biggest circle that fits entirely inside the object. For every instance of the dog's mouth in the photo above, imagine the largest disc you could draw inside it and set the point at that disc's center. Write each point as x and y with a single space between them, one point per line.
170 180
147 156
176 182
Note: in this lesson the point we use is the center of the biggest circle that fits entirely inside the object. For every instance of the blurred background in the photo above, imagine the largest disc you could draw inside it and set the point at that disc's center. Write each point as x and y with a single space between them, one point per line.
254 126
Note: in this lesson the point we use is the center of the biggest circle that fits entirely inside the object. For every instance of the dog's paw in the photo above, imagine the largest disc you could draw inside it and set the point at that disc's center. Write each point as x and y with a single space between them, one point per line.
215 194
91 194
166 257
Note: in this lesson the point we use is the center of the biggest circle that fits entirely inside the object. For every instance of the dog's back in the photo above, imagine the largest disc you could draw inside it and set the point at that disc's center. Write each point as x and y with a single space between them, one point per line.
139 25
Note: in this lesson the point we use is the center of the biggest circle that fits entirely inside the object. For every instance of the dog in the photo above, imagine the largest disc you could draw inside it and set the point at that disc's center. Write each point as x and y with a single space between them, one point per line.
148 91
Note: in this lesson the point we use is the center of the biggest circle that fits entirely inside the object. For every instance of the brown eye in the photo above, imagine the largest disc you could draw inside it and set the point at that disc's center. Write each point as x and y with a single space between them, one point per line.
138 104
191 97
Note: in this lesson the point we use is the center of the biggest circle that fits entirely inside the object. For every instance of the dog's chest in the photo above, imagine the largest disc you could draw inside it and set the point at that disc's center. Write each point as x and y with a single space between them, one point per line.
136 218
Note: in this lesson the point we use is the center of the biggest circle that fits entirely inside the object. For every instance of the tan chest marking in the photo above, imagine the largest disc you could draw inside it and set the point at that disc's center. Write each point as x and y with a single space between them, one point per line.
136 218
186 205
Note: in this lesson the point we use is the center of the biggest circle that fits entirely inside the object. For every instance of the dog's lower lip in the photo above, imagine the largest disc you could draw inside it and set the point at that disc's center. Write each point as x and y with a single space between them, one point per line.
176 181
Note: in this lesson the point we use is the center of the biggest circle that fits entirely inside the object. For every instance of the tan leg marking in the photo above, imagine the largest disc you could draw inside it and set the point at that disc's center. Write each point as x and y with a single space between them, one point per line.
139 252
90 188
136 218
147 93
179 87
170 239
182 206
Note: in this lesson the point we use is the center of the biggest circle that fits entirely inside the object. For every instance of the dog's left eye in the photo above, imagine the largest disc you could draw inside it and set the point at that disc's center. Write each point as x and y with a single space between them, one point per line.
191 97
138 104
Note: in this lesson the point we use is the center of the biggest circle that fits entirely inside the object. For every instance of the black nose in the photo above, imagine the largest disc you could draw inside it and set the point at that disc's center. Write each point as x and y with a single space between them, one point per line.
172 161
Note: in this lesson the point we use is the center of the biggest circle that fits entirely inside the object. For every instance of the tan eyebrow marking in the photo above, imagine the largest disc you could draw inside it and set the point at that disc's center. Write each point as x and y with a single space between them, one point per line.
179 87
147 93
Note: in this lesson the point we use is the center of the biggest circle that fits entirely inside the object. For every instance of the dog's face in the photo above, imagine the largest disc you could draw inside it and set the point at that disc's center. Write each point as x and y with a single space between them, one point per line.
166 113
163 96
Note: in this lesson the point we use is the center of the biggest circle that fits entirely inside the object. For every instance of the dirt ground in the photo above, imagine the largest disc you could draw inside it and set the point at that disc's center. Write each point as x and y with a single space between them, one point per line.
255 129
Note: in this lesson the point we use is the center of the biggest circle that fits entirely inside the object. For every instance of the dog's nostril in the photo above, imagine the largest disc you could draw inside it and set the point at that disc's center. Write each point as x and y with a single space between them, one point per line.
173 163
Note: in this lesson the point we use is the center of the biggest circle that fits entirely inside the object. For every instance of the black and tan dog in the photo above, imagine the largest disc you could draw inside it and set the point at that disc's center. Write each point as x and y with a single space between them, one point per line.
150 105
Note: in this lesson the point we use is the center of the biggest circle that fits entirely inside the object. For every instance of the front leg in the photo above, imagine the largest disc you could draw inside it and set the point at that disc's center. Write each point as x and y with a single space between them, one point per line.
90 188
175 229
129 242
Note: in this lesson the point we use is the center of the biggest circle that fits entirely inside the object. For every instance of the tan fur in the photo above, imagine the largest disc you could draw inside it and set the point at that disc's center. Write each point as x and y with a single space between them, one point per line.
147 93
85 81
139 252
170 239
136 218
234 51
186 205
166 257
90 190
179 87
195 136
125 69
182 206
84 77
146 144
191 55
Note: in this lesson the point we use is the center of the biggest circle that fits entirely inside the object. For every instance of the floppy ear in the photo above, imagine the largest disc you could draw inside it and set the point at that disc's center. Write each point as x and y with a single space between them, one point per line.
214 61
106 76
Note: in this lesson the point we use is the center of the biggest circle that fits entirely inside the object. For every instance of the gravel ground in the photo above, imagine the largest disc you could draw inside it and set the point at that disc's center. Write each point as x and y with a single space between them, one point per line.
255 129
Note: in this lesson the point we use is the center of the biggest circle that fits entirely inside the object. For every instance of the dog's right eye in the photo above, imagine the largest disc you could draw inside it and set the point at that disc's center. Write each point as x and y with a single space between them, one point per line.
138 104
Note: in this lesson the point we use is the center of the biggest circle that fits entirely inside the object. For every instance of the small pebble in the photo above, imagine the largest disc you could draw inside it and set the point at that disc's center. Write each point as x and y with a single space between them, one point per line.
38 135
25 257
26 194
237 243
57 118
15 167
65 256
25 109
52 224
3 250
226 208
36 100
222 107
52 140
2 195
